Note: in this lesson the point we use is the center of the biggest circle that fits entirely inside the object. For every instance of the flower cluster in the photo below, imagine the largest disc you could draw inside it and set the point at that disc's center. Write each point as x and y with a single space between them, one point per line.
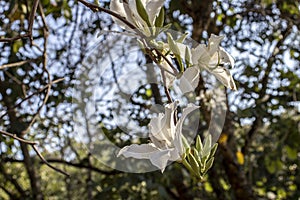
166 138
176 61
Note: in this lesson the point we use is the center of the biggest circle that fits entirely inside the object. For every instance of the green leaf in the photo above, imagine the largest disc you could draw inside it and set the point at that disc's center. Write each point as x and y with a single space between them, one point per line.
188 166
207 146
209 164
159 21
185 143
197 157
174 48
199 145
188 56
193 163
213 150
142 12
182 38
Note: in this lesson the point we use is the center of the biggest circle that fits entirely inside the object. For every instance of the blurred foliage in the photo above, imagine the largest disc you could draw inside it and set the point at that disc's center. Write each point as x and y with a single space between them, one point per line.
263 36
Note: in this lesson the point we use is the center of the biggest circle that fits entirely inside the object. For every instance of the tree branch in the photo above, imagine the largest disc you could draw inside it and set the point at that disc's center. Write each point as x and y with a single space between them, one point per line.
96 8
31 19
14 136
30 26
63 162
16 64
30 96
33 144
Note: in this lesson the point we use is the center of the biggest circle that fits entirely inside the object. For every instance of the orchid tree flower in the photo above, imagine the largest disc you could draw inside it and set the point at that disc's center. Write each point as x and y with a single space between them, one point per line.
213 58
141 13
188 77
166 138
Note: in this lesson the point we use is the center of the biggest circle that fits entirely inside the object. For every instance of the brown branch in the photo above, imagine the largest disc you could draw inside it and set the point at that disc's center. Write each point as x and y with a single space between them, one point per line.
31 19
30 26
167 60
47 163
9 193
16 64
33 144
64 162
264 81
30 96
45 32
96 8
14 136
15 38
13 77
43 17
167 90
81 165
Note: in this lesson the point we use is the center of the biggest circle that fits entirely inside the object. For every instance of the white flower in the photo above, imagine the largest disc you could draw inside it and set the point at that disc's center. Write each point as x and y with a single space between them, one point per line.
129 10
213 58
166 138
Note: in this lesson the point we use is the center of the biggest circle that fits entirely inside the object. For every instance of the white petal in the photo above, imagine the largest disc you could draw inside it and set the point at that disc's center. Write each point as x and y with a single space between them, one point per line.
169 78
226 57
157 157
162 128
156 135
143 151
182 49
153 8
123 10
214 61
178 134
224 76
214 43
160 159
200 55
189 80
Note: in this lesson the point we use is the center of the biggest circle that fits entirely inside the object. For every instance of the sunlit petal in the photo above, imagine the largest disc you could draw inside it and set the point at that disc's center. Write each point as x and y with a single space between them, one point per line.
189 80
153 8
138 151
226 57
224 76
214 43
160 158
178 133
122 9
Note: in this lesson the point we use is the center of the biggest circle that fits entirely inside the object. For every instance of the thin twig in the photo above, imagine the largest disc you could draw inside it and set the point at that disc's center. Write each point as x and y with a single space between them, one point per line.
16 64
43 17
15 38
165 87
96 8
31 19
153 58
49 81
68 163
33 144
30 96
47 163
167 60
15 79
14 136
30 26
